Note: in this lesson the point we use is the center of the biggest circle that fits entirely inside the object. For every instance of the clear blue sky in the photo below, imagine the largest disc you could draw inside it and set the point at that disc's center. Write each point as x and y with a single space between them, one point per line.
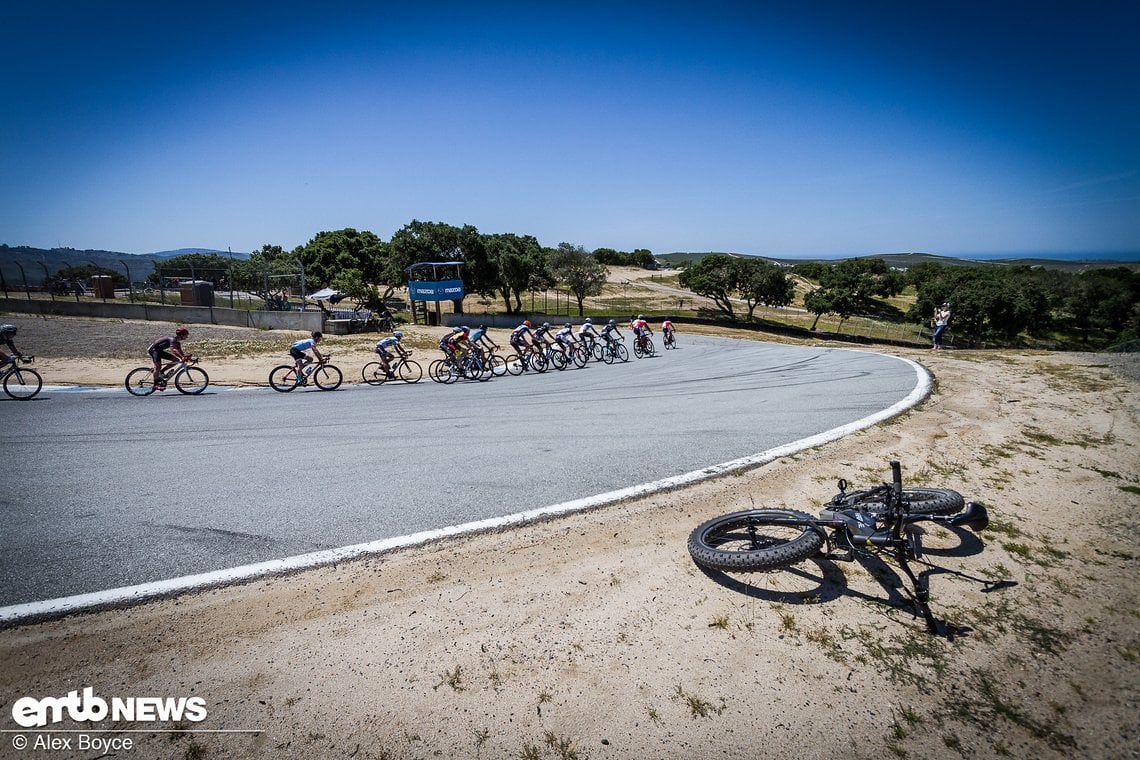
771 128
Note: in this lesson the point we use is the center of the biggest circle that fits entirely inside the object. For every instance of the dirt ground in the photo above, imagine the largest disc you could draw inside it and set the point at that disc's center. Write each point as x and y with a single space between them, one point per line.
595 635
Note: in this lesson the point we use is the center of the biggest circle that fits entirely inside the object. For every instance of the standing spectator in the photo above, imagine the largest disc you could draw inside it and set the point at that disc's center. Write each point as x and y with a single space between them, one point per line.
941 319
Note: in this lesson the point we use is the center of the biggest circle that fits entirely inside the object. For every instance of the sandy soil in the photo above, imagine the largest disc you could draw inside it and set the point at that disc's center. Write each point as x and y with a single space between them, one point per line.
595 636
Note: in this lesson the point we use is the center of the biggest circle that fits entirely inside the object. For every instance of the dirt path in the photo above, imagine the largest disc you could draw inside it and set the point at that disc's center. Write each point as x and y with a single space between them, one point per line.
594 636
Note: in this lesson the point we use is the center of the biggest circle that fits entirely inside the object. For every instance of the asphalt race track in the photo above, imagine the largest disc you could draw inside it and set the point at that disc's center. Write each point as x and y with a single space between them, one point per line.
105 490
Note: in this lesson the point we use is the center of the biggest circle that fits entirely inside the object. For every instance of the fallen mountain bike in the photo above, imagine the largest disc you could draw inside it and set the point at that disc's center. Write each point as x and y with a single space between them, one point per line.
874 522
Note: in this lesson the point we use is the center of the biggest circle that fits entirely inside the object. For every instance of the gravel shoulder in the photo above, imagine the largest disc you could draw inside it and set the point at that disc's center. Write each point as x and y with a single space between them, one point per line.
595 636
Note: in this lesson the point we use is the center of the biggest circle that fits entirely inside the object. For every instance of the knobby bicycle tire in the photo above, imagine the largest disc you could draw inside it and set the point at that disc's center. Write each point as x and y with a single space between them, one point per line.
140 381
191 380
928 501
327 377
22 384
283 378
752 541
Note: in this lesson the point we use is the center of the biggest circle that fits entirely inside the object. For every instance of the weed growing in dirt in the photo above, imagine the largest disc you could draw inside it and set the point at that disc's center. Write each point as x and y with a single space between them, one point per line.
698 707
907 659
985 706
563 747
454 679
720 621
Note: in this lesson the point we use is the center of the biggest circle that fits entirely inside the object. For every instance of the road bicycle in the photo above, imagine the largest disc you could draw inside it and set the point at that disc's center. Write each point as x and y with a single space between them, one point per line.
322 374
187 377
401 368
22 383
878 522
613 350
529 360
495 364
670 341
449 369
643 346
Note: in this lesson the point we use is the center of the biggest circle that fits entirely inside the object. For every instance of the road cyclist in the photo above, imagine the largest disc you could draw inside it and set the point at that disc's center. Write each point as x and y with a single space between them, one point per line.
520 342
21 383
612 349
168 349
302 359
642 345
541 341
588 336
565 341
667 331
385 348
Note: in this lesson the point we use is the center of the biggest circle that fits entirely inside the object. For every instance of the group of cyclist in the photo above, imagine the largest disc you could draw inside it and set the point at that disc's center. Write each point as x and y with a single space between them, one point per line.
528 338
460 341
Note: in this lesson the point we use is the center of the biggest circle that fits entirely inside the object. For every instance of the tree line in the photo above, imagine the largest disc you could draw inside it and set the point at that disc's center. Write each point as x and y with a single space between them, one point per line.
368 269
988 302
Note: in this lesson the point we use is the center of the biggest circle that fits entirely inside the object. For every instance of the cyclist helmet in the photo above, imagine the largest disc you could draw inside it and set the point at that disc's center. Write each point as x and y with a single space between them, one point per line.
8 329
546 324
465 328
566 325
483 328
611 323
588 320
526 322
641 316
181 332
317 334
397 335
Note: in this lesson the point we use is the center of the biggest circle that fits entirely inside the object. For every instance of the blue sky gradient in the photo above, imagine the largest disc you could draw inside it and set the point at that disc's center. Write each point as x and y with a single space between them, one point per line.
787 129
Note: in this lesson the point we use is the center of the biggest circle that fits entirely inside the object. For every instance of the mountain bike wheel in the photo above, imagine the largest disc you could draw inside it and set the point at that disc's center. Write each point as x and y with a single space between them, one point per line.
515 365
22 384
928 501
327 377
373 373
621 353
283 378
140 382
754 540
191 381
410 371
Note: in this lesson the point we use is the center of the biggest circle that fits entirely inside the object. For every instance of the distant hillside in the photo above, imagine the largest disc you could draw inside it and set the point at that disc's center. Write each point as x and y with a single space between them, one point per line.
906 260
35 260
